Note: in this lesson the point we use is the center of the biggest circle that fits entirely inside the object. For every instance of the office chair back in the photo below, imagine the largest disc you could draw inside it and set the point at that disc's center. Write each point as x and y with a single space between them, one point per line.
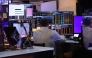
59 49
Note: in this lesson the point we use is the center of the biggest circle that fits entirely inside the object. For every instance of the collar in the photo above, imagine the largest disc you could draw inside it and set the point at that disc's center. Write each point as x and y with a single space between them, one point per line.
86 28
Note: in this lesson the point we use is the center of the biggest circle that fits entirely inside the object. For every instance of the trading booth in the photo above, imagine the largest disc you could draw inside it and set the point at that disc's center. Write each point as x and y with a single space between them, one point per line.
18 22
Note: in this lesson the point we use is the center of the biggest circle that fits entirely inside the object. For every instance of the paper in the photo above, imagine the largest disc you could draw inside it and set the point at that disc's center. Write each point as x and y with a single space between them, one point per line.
4 15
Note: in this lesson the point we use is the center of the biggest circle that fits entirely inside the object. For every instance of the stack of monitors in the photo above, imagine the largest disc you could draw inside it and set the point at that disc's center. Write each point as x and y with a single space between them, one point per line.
20 11
67 23
59 21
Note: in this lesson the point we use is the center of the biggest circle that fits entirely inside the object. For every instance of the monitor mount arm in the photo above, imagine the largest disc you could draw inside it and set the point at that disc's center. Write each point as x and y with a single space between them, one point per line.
27 38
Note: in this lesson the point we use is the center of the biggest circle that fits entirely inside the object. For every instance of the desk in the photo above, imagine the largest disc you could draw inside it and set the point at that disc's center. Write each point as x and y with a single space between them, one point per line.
90 52
35 52
71 41
90 48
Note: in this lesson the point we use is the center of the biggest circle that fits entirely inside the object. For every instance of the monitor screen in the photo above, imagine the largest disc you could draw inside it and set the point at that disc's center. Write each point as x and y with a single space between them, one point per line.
38 18
58 17
4 24
21 30
76 35
20 11
77 24
63 17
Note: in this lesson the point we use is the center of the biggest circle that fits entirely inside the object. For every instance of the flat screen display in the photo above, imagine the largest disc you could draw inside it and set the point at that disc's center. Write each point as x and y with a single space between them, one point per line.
20 11
38 18
21 30
77 24
76 35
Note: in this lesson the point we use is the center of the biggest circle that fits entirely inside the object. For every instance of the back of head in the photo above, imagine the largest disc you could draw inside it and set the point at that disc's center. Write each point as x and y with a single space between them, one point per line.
87 22
44 22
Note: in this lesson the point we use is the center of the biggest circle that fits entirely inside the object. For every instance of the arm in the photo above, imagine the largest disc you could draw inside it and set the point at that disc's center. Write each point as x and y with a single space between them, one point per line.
56 37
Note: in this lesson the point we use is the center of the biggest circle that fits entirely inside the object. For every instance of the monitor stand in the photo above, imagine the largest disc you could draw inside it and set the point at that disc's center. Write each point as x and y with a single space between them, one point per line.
27 39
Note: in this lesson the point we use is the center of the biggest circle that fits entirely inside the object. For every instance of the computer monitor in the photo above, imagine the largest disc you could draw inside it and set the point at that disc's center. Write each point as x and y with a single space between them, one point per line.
12 35
76 35
38 18
21 30
58 17
78 24
20 11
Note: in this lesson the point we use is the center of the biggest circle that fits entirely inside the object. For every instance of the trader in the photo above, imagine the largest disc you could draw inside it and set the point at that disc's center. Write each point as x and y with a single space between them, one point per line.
45 35
87 33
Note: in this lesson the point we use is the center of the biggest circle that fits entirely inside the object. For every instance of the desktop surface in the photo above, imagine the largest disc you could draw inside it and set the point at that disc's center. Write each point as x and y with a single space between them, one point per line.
30 50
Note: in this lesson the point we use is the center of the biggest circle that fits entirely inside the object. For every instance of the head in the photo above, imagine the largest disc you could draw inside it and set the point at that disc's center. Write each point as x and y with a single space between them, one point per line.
87 22
44 22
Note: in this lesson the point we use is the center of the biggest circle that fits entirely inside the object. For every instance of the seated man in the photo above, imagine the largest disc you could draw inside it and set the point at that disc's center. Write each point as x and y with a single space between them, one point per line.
45 35
87 33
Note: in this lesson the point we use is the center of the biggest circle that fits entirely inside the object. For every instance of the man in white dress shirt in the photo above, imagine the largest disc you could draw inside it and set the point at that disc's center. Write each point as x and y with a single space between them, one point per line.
45 35
87 33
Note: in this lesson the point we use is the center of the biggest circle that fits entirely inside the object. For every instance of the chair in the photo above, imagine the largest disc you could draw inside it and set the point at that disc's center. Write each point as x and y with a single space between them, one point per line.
62 50
59 49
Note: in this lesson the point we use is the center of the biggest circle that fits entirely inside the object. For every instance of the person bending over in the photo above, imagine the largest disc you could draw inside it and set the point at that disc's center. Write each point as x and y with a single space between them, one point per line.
45 35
